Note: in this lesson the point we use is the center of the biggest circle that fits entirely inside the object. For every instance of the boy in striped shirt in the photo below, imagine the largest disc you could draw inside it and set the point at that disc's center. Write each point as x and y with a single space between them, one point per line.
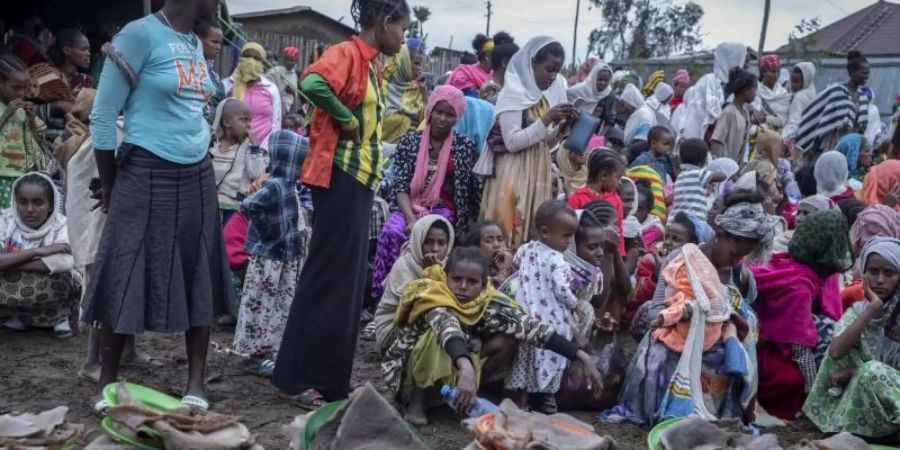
693 187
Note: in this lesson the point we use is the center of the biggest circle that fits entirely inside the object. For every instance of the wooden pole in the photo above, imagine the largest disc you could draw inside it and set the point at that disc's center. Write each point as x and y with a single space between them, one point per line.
765 27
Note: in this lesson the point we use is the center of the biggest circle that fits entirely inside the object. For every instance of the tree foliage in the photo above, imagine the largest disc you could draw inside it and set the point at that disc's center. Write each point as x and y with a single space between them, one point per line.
805 28
646 28
417 27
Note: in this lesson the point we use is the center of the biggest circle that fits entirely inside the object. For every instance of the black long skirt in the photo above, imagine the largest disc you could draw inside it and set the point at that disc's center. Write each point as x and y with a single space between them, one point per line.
320 337
161 263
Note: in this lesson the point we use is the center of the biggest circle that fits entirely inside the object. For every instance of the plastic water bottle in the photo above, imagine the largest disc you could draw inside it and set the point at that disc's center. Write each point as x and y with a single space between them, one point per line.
480 408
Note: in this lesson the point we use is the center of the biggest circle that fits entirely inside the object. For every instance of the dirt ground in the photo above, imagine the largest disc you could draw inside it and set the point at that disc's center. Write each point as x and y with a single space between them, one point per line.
38 372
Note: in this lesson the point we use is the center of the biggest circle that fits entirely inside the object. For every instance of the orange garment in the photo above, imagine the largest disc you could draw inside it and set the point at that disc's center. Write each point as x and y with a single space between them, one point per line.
673 332
852 293
879 180
346 69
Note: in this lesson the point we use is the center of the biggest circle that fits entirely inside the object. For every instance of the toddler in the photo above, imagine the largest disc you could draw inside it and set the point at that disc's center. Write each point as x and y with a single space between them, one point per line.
235 158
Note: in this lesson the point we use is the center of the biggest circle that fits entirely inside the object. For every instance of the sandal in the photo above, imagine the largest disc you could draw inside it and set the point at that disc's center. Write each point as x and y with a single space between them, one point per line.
101 407
196 402
266 368
63 334
308 400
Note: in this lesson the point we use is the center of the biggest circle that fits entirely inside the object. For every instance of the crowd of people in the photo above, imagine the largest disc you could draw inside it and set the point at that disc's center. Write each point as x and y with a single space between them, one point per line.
744 228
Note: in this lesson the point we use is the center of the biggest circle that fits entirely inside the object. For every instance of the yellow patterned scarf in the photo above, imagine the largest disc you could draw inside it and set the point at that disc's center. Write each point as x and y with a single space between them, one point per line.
431 291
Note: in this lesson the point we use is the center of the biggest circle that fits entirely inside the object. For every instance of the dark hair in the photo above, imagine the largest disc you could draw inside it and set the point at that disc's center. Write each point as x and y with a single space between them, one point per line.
602 211
851 208
37 180
66 37
203 27
469 254
739 80
644 191
9 64
549 210
742 196
684 220
603 161
589 220
855 61
657 132
694 151
796 70
502 37
552 49
473 237
468 58
440 225
502 54
367 13
806 181
635 149
478 44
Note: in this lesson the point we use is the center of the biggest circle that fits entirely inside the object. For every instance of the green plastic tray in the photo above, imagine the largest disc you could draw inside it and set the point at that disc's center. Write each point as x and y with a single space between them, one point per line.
110 428
149 397
656 432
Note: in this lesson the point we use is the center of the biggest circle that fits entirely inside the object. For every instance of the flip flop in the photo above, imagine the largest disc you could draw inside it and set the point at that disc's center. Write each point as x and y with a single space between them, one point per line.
196 402
101 407
266 368
63 334
308 400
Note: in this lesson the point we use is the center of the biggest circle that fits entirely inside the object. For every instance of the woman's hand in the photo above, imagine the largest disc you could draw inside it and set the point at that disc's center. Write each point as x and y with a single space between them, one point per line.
875 302
580 340
352 135
53 249
465 385
840 378
559 113
595 379
430 259
410 221
610 239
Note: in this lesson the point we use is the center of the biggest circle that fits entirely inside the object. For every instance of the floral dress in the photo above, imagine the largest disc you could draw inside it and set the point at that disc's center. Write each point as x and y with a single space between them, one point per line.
543 290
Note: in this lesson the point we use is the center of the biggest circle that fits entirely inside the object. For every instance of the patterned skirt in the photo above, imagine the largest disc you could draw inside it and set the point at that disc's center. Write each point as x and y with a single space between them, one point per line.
269 287
39 299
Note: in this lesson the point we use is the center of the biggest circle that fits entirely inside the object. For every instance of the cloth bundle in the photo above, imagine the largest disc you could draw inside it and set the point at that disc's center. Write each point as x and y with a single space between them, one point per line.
45 430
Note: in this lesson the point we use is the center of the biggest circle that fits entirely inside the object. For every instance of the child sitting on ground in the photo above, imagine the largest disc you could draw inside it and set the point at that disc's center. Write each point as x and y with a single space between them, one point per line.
605 168
441 315
488 236
544 292
276 242
693 188
631 226
20 151
659 157
235 158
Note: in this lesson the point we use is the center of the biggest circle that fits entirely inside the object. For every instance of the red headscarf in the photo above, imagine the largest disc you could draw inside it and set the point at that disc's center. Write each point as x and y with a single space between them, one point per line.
290 52
769 62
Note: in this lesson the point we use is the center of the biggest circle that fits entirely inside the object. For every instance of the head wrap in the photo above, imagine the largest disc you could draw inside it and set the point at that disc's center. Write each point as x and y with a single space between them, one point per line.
876 220
248 69
750 220
808 70
886 348
879 180
487 47
424 197
769 62
850 146
831 173
818 202
663 92
820 243
682 76
632 96
587 89
652 81
290 52
886 247
727 56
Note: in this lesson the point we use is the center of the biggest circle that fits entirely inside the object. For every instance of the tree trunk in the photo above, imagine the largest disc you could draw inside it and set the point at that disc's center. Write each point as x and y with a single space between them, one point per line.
765 27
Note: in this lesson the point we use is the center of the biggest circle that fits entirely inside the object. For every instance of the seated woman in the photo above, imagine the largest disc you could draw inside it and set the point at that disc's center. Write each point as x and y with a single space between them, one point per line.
429 242
831 173
432 175
488 236
439 318
857 389
873 221
640 117
37 286
697 356
797 304
805 208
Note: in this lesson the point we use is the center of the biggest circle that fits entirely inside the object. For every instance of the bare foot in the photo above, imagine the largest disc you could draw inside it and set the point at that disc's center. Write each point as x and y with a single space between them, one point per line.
415 411
134 356
90 372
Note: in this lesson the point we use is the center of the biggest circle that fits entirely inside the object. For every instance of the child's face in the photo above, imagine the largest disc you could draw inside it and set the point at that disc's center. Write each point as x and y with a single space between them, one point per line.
466 280
590 247
436 243
32 205
645 204
14 87
609 180
663 145
750 95
492 240
676 236
559 234
626 193
237 123
803 210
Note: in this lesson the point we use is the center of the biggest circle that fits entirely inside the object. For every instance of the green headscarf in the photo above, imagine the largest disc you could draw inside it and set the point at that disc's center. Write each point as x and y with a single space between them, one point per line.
822 243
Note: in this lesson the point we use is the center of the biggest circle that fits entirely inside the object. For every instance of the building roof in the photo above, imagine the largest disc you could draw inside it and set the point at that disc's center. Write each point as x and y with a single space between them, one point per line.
289 11
874 30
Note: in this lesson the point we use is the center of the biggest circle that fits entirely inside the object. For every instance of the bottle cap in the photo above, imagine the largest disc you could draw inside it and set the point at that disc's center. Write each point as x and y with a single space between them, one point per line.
446 390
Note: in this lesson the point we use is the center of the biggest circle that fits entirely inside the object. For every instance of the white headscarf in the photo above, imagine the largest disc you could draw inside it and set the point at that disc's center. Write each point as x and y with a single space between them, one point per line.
831 173
727 56
800 99
703 102
587 89
52 231
659 101
642 119
520 92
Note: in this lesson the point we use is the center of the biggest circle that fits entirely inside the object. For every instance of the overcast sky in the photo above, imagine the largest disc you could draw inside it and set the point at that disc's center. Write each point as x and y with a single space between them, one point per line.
460 20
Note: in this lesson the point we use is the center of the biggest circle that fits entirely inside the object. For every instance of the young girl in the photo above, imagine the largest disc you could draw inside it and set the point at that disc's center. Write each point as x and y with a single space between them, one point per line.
544 292
488 236
631 226
20 151
605 169
277 244
439 315
37 286
730 137
652 229
235 158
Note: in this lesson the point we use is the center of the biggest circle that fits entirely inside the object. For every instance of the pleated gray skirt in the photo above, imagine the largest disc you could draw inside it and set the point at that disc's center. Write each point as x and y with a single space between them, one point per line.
161 263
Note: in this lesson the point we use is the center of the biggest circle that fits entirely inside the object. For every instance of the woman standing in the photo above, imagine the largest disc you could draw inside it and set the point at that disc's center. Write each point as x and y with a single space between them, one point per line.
680 84
772 98
343 168
640 117
530 110
211 36
249 85
432 175
595 96
160 193
856 389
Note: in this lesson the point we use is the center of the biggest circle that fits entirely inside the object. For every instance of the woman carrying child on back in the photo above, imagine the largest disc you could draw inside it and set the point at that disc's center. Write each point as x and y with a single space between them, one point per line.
440 314
235 158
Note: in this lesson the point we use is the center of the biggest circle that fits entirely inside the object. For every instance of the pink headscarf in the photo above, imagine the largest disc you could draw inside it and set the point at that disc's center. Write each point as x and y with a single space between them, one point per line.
769 62
290 52
422 196
596 143
682 76
876 220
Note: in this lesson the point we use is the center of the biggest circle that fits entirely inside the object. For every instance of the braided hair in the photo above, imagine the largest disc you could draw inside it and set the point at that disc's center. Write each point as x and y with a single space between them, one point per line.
603 161
367 13
596 214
